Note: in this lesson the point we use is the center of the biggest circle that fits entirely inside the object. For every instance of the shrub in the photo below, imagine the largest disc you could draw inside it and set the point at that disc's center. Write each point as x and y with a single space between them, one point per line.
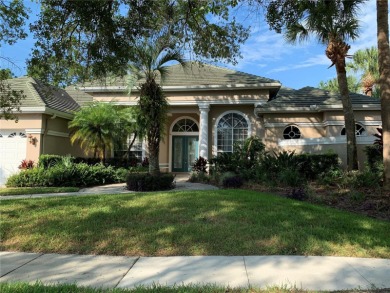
232 182
78 175
26 165
374 155
291 177
298 194
312 165
201 177
200 165
149 182
121 174
145 162
46 161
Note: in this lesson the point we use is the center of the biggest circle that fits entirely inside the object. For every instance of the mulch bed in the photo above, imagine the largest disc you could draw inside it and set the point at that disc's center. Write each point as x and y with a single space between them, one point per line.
374 203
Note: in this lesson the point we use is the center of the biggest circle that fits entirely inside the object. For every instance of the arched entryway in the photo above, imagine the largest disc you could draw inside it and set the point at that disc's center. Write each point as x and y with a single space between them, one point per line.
184 144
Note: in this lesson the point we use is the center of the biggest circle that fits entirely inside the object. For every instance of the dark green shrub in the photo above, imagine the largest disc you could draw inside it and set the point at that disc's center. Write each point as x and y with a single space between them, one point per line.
46 161
121 175
312 165
374 156
200 165
77 175
232 182
200 177
149 182
291 177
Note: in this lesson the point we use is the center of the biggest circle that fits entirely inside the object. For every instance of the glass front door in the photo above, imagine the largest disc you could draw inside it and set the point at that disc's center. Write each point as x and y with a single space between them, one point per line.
184 152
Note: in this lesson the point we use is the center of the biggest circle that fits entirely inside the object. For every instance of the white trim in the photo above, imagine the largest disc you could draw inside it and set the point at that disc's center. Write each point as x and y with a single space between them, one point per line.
324 141
215 146
291 109
171 133
57 133
35 130
320 124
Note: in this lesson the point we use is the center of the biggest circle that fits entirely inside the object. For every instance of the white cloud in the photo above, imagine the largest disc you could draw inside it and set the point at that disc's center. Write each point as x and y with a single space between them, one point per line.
310 62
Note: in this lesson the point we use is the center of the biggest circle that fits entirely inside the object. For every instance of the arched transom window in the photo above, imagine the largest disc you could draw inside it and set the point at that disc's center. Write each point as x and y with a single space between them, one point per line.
231 128
185 125
359 130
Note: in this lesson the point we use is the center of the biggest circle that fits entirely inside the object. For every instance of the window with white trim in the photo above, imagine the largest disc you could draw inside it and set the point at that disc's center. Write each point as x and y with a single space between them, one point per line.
232 128
135 151
291 132
359 130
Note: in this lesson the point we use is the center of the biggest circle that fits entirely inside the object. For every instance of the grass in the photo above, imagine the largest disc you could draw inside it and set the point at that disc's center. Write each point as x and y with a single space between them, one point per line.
220 222
35 190
39 287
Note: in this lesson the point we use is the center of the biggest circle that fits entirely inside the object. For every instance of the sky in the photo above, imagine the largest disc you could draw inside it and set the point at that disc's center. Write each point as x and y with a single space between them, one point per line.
265 53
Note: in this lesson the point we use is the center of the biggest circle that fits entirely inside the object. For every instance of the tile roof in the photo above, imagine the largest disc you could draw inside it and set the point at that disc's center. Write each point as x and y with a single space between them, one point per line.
313 97
196 74
38 94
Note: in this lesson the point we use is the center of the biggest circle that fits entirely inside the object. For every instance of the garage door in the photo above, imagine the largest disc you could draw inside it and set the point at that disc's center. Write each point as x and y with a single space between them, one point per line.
12 152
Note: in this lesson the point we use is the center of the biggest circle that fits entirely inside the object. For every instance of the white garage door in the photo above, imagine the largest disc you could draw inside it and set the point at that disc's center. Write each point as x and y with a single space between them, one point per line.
12 152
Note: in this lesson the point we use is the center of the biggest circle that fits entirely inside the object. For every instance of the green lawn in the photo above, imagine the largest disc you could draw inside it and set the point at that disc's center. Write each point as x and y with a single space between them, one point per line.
35 190
220 222
39 287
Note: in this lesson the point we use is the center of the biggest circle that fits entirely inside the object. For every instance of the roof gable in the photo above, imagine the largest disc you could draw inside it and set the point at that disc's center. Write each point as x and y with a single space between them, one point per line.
40 95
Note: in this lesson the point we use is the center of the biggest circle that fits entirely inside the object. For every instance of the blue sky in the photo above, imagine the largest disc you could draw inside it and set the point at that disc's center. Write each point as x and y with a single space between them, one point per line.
265 53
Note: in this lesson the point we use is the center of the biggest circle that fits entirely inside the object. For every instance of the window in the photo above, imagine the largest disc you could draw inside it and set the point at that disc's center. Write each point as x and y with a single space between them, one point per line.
135 151
21 134
231 128
185 125
291 132
359 130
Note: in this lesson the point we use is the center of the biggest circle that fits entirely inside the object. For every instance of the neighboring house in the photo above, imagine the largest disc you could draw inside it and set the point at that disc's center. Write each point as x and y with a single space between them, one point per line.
212 107
42 127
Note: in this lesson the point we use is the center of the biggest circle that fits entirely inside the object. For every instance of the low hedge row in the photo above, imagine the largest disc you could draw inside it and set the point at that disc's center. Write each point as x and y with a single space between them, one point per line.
149 182
77 175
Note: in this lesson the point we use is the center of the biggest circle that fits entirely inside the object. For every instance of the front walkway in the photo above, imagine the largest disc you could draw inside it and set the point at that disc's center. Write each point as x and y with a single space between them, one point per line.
302 272
181 184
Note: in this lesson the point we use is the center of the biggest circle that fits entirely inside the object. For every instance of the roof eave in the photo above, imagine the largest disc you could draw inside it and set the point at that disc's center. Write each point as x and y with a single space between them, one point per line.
46 110
185 88
315 108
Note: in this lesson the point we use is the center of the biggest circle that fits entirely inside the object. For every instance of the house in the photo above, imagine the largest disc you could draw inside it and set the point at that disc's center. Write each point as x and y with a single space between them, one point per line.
210 108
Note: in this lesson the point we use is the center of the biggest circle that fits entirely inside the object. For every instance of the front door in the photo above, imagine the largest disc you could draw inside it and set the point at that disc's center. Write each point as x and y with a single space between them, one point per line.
184 152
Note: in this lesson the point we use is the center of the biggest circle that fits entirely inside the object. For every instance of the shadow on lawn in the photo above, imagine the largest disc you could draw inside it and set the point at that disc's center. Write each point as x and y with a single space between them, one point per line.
228 222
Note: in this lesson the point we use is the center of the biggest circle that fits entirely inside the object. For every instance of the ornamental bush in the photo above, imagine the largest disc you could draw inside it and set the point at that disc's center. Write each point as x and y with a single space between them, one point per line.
149 182
77 175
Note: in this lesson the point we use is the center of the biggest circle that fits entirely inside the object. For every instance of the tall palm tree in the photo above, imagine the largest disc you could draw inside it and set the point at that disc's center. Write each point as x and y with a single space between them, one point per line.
94 127
332 23
366 62
382 10
149 68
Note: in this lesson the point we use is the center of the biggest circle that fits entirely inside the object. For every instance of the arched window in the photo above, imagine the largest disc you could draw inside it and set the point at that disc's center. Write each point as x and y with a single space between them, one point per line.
291 132
359 130
185 125
231 128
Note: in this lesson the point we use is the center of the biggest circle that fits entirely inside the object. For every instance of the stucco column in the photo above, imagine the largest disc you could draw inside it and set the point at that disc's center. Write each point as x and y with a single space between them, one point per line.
204 130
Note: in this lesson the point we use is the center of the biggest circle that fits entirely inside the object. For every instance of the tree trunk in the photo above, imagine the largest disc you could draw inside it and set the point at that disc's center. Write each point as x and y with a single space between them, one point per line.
382 9
154 164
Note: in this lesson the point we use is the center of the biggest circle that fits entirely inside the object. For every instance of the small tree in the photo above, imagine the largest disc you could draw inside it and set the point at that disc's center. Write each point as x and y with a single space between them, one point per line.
97 127
149 63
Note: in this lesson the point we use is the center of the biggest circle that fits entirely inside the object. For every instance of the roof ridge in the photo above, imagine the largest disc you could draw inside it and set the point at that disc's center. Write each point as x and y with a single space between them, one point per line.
35 93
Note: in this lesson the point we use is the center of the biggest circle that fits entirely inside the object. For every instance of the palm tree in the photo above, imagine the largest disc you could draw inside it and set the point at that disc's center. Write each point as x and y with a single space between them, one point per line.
94 127
366 61
149 66
332 23
333 86
382 10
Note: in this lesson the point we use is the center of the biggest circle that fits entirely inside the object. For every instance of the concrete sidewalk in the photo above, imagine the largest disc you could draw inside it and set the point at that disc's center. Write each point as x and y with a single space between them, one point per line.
311 273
